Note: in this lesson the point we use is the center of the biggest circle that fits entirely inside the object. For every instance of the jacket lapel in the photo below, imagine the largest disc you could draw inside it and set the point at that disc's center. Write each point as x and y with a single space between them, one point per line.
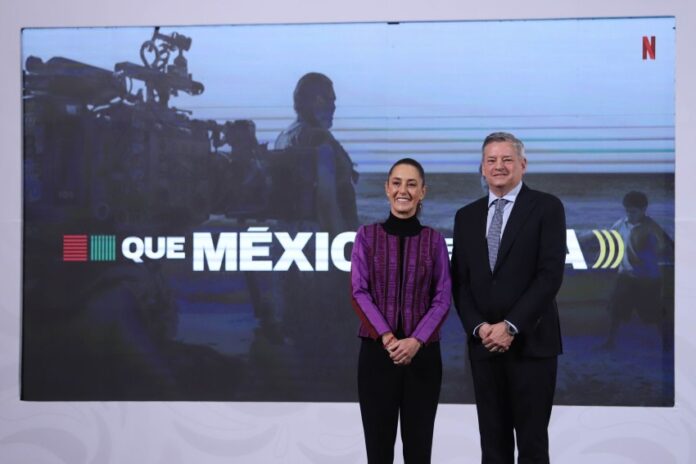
524 204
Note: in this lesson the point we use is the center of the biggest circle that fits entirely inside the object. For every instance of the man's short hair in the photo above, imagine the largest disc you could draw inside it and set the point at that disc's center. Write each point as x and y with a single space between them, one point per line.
307 89
504 137
635 199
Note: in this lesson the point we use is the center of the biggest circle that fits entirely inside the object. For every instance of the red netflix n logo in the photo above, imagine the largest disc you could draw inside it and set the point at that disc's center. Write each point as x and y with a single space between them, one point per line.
648 47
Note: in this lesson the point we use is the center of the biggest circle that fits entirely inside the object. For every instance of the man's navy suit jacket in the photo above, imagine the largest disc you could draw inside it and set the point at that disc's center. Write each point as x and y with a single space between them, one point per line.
527 276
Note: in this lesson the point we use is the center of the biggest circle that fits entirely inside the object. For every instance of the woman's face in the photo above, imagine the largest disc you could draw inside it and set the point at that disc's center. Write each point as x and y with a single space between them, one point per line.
405 189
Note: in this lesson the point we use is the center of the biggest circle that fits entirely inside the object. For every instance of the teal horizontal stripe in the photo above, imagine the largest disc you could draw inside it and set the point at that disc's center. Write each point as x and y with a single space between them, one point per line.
408 118
527 140
617 151
471 129
282 113
364 162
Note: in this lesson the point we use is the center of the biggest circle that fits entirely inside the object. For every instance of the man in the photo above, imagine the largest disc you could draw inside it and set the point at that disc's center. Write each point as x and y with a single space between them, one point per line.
315 319
507 266
315 104
639 281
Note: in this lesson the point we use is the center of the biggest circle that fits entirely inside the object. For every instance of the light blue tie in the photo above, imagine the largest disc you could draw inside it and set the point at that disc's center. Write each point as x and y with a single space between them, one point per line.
494 231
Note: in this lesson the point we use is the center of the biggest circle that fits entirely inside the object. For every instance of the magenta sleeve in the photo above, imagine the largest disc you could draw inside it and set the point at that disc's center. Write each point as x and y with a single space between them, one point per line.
360 289
442 292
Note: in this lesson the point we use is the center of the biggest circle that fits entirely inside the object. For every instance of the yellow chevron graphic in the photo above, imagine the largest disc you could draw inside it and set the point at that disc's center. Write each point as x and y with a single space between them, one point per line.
611 249
610 253
602 249
622 249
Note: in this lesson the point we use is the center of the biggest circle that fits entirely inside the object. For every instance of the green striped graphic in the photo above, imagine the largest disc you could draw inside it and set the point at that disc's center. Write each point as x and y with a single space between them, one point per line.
102 248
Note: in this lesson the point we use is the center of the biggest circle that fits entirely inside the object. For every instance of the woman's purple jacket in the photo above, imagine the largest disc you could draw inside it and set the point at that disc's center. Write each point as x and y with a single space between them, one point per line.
378 297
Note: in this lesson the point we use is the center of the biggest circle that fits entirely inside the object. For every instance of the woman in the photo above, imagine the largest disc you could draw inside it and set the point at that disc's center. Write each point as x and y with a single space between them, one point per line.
401 291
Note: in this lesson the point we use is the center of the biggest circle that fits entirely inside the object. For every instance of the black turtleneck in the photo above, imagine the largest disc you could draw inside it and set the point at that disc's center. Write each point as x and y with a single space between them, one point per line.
402 228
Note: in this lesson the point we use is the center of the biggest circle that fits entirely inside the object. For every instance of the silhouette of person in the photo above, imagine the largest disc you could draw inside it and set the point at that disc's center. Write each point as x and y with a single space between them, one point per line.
315 105
639 282
314 322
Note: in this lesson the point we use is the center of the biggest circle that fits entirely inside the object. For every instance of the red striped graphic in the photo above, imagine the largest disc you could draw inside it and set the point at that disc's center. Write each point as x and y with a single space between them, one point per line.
74 248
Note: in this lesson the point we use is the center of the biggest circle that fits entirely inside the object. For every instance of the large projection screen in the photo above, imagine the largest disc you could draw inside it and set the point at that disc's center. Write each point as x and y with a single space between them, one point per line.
187 235
253 432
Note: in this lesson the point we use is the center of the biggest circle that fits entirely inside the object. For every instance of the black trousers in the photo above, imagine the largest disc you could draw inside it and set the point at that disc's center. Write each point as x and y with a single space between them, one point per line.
387 391
514 393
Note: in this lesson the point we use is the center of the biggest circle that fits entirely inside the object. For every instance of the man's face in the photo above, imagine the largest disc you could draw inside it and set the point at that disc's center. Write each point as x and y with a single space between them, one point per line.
502 167
324 107
634 214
